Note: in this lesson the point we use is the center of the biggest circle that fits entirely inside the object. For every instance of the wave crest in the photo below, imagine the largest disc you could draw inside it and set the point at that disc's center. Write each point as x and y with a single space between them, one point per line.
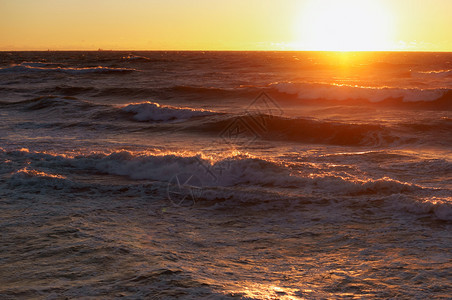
323 91
229 176
437 73
35 67
151 111
305 130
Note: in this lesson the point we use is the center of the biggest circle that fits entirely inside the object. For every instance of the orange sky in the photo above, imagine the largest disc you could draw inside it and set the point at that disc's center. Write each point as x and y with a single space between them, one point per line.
422 25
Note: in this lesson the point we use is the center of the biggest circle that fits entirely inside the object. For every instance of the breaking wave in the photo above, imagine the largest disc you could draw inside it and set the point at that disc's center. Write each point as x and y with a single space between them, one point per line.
322 91
151 111
39 64
38 67
437 73
254 126
233 170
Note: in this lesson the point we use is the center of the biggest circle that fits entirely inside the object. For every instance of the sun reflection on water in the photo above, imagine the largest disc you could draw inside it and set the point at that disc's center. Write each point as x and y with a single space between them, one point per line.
255 290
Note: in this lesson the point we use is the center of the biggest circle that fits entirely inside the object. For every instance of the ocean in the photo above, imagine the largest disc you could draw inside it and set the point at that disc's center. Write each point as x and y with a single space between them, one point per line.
225 175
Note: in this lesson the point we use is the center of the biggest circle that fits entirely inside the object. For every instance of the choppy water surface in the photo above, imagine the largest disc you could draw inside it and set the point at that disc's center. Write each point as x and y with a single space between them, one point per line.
193 175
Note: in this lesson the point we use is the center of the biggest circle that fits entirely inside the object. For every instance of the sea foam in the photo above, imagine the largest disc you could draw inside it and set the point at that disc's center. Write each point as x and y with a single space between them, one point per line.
309 91
38 67
151 111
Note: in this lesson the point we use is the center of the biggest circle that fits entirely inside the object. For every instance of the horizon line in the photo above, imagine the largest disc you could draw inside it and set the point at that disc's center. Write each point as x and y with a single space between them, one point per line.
220 50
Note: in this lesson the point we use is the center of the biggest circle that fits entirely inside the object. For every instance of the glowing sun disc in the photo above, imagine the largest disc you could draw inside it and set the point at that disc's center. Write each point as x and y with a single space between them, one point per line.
346 25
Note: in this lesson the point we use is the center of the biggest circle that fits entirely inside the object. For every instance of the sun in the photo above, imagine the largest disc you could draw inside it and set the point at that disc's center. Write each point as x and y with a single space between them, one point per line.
344 25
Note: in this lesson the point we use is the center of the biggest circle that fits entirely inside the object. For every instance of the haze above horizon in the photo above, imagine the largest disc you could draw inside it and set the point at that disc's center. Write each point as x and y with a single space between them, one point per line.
324 25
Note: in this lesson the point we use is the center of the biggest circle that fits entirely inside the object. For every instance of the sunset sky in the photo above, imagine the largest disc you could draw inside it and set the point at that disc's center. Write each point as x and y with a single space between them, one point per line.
419 25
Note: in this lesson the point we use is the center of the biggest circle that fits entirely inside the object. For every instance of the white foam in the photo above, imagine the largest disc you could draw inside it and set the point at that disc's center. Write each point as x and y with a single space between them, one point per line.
34 67
30 173
39 64
317 91
237 170
236 176
440 206
136 58
151 111
437 73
